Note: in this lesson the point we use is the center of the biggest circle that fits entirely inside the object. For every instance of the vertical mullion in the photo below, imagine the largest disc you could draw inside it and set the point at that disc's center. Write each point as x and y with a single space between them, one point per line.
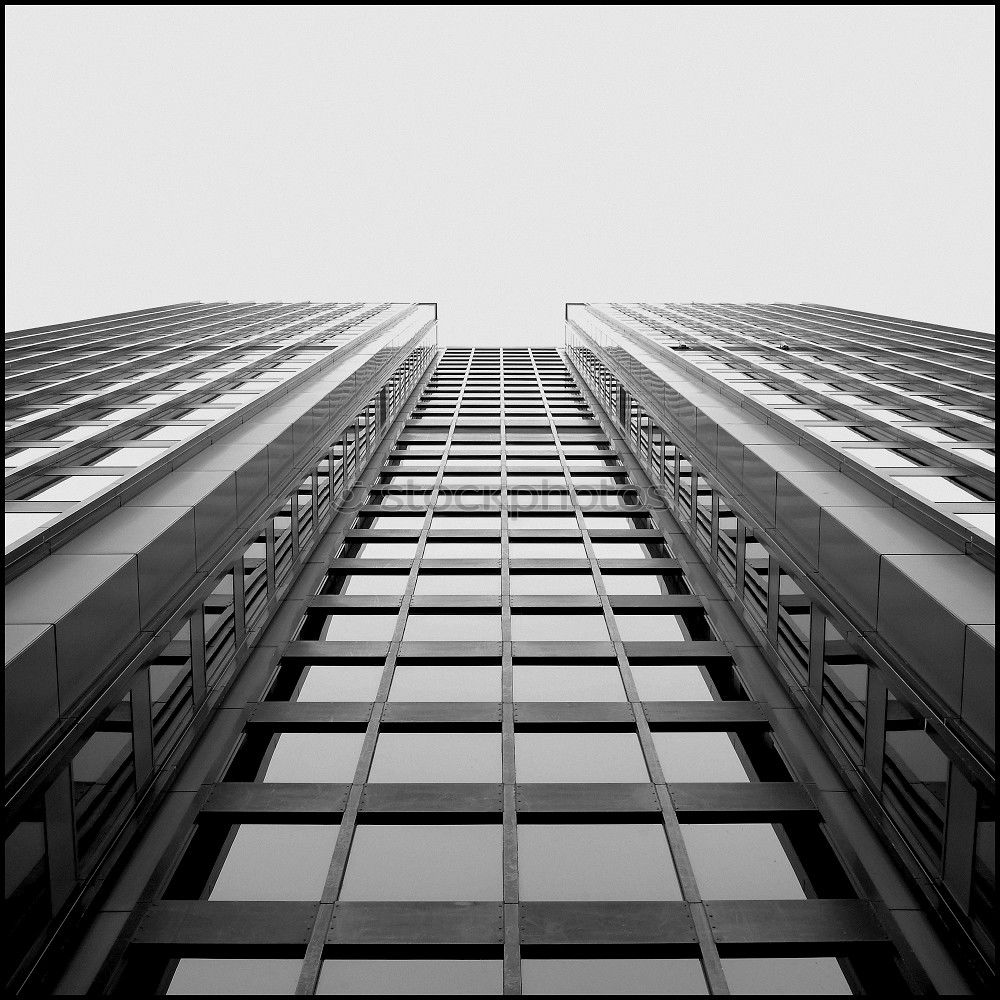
511 896
709 952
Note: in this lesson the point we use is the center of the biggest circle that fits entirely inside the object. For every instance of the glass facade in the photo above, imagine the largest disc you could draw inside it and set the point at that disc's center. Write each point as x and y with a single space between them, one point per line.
869 586
468 707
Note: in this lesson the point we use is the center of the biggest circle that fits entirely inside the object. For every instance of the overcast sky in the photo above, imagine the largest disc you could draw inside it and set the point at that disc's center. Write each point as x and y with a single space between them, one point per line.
500 160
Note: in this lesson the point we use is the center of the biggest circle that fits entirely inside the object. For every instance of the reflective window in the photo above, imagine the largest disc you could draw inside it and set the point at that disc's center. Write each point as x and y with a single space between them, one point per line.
416 682
171 693
336 682
623 550
937 489
17 524
579 757
699 756
380 550
781 976
545 584
276 861
367 584
463 522
345 627
543 522
458 583
637 584
129 456
399 977
453 628
243 976
170 432
551 627
612 977
436 757
16 459
986 523
882 458
394 522
103 773
438 861
650 628
330 757
740 861
595 861
915 774
73 489
845 690
547 550
672 682
205 413
26 878
558 682
461 550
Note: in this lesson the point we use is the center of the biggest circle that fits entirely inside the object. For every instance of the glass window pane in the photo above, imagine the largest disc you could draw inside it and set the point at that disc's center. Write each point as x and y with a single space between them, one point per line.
576 757
546 584
699 756
740 861
73 488
16 459
544 522
461 550
171 693
612 977
776 976
650 628
595 861
170 432
366 584
639 584
881 458
622 550
551 627
18 524
462 522
103 773
276 861
381 550
672 682
395 522
26 878
416 682
915 775
129 457
547 550
241 976
556 682
425 862
435 757
458 583
329 757
335 682
937 489
346 627
452 628
400 977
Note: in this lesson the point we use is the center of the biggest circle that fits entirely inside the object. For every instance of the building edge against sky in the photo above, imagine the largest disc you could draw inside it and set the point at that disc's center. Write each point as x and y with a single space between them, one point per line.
795 502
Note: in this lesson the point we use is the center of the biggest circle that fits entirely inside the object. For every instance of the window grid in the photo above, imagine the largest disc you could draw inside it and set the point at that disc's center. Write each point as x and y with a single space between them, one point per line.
791 624
517 804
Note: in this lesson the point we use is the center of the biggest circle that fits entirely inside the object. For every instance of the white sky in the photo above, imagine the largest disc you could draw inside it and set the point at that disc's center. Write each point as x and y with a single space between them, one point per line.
500 160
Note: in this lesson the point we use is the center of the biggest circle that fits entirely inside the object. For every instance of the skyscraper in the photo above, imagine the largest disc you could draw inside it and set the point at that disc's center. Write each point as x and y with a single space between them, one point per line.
337 662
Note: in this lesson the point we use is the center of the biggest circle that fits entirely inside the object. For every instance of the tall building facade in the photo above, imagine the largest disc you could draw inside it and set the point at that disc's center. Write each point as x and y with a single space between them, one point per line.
339 663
